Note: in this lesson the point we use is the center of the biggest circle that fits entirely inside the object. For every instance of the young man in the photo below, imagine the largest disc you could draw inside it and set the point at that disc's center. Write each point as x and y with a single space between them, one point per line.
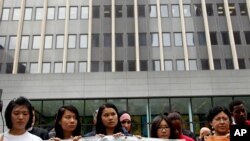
238 112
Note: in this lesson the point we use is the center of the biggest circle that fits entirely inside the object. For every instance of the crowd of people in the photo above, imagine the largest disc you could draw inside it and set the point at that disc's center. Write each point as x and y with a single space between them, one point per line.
20 118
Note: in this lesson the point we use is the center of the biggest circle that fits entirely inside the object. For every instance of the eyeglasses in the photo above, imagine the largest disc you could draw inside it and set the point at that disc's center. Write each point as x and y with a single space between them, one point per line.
163 128
128 122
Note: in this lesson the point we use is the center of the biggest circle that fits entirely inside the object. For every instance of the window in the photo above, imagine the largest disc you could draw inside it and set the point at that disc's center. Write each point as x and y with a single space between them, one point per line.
210 11
180 65
83 41
94 66
190 39
12 43
220 9
119 40
33 67
72 41
21 67
178 39
107 11
247 36
58 67
217 64
142 39
28 14
84 12
237 39
225 38
154 39
48 41
46 68
164 11
130 11
51 13
229 64
95 40
168 65
187 10
73 13
192 64
141 10
202 38
39 13
175 11
96 12
61 13
118 11
82 66
16 14
156 65
131 39
243 9
70 67
232 10
242 64
131 65
166 39
198 10
213 38
59 41
152 11
36 42
2 42
204 64
9 67
107 40
5 14
25 42
119 65
143 65
107 66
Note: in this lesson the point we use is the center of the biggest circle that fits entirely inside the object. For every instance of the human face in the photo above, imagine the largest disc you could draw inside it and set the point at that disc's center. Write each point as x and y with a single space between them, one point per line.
109 118
68 121
163 131
239 114
221 124
19 118
176 124
126 124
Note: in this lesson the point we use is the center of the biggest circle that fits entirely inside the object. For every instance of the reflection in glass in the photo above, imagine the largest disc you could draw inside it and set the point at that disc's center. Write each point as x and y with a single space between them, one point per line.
58 67
59 41
33 67
36 41
28 14
51 13
73 13
70 67
178 39
72 41
16 14
12 43
25 42
154 39
84 12
61 13
46 68
48 41
175 11
82 66
180 65
152 11
168 65
164 11
5 14
83 41
39 13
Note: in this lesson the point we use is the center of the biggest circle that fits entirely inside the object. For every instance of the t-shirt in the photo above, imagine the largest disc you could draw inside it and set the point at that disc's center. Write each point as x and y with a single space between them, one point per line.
187 138
24 137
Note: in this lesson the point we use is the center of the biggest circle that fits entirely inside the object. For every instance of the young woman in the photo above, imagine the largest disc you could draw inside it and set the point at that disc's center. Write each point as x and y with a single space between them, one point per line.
67 124
125 120
18 117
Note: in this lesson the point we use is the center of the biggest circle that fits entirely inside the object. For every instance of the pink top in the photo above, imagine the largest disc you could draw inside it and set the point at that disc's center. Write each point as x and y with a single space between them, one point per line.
187 138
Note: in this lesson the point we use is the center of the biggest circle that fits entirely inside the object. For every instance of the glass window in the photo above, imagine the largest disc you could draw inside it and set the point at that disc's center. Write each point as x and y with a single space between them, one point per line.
187 10
9 68
168 65
131 65
156 65
79 104
28 14
119 40
118 11
152 11
243 9
210 11
142 39
82 66
166 39
141 10
73 13
225 38
164 11
84 12
202 38
143 65
48 41
157 108
61 13
237 38
33 67
46 68
232 10
192 64
181 105
94 66
229 64
107 11
190 39
213 38
51 13
221 101
121 104
93 105
242 64
83 41
119 65
204 64
2 42
180 65
5 14
198 10
154 39
247 36
178 39
107 66
25 42
36 42
130 11
39 13
58 67
220 9
59 41
72 41
50 107
70 67
96 12
21 67
16 14
95 40
217 64
131 39
12 43
107 40
175 11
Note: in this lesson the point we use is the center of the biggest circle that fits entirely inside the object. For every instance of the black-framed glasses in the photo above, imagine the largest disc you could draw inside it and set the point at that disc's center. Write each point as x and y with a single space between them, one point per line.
163 128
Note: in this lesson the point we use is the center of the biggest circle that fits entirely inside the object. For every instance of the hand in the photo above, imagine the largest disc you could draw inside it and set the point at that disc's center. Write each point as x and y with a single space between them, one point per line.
55 139
76 138
117 135
100 135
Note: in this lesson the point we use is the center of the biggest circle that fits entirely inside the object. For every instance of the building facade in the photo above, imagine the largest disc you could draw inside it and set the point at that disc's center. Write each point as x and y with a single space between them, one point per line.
146 56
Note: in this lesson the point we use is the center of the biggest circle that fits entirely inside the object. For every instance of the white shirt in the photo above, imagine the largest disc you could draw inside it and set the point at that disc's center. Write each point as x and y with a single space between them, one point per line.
24 137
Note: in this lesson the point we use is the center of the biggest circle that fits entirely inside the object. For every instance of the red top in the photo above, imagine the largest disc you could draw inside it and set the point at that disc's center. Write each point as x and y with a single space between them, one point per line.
187 138
247 122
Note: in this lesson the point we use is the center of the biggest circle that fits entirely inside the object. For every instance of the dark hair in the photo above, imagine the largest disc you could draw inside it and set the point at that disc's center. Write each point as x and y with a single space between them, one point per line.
20 101
235 103
174 116
100 128
156 123
58 127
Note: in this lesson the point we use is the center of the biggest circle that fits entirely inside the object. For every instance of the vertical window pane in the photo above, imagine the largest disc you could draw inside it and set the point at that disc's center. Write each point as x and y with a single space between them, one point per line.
198 10
58 68
156 65
5 14
164 11
190 39
28 14
204 64
220 9
59 41
225 38
82 66
143 65
119 65
36 42
46 68
107 11
107 66
96 12
51 13
202 38
70 67
72 41
118 11
243 9
152 11
95 40
12 44
142 39
61 13
175 11
229 64
21 67
213 38
39 13
9 68
130 11
210 11
33 67
107 40
141 10
217 64
84 12
94 66
25 42
178 39
168 65
237 38
247 36
180 65
119 40
192 64
48 41
83 41
73 13
166 39
232 10
131 65
2 42
242 64
16 14
187 10
131 39
154 39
